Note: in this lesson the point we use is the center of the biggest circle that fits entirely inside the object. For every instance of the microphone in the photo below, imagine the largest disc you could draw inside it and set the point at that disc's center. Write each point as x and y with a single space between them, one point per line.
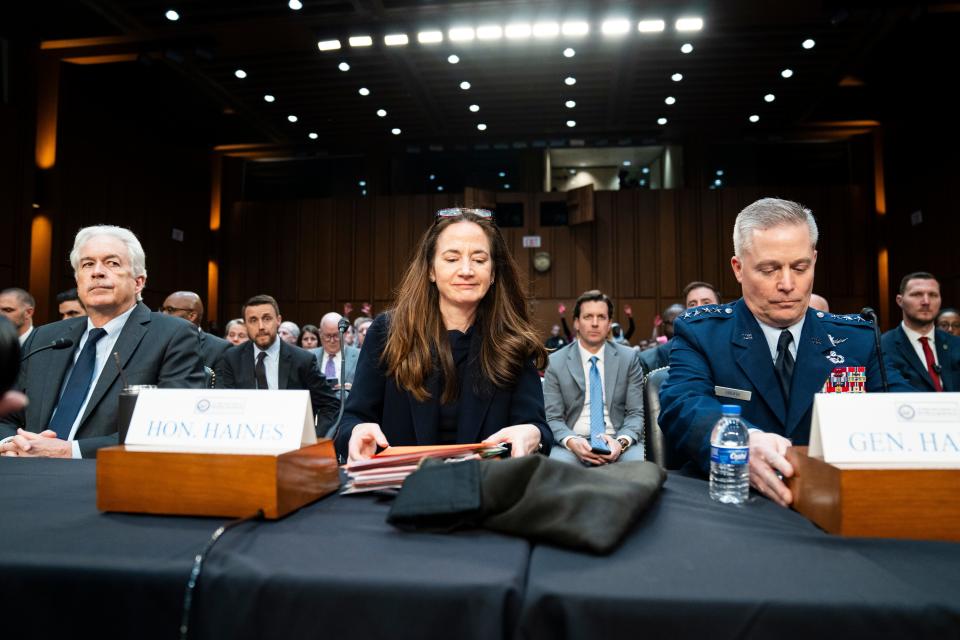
59 343
867 313
342 327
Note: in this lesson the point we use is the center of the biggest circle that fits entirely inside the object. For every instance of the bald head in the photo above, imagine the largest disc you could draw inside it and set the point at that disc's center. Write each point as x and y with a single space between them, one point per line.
819 303
184 304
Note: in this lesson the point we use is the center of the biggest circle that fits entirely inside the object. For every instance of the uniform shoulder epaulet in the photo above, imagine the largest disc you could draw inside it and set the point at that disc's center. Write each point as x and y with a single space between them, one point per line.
849 319
707 311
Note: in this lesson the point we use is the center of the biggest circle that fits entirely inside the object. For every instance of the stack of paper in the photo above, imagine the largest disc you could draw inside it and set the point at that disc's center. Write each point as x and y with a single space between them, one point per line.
389 468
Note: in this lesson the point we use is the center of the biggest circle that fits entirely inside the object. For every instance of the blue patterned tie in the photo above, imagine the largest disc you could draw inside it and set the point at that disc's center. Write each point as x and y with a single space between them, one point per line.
77 386
597 428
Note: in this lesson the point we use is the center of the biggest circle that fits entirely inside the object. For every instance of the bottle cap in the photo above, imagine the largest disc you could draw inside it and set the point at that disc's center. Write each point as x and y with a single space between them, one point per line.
730 409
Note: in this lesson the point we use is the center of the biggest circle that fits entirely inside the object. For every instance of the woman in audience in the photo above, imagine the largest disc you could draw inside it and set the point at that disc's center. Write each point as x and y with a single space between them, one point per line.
455 360
236 332
361 324
309 337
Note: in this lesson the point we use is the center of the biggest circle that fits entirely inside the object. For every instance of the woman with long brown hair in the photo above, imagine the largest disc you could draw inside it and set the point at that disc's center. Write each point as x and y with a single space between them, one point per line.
455 360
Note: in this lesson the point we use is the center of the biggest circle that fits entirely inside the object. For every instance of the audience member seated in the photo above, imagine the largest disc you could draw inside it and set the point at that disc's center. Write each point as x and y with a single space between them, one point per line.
555 341
18 305
949 321
309 337
289 332
361 324
187 305
328 357
235 332
767 352
819 303
69 305
74 393
927 357
697 294
456 359
265 362
660 356
595 387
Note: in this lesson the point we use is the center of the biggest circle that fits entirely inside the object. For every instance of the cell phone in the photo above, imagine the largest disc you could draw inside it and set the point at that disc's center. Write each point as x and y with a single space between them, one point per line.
599 446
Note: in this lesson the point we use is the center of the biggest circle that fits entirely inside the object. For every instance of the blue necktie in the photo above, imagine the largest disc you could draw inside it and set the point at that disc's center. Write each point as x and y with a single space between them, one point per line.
77 386
597 428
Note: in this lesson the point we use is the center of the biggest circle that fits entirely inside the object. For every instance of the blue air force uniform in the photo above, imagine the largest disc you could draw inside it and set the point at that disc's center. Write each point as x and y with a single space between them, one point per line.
724 346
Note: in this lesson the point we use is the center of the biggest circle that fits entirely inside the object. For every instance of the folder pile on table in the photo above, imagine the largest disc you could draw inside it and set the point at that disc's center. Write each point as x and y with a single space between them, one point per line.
388 469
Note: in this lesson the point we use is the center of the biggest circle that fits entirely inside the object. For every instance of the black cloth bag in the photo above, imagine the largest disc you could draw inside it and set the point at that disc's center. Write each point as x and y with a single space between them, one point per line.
534 497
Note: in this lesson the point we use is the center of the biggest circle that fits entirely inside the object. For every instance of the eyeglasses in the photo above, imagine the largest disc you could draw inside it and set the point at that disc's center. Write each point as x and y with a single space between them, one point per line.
949 325
454 212
171 310
329 337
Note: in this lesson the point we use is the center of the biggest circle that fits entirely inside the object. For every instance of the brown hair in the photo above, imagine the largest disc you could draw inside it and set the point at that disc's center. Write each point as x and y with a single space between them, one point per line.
417 339
256 301
697 284
916 275
593 295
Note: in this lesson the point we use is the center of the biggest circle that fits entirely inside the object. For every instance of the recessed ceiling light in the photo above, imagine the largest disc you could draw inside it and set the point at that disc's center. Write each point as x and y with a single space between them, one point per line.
474 108
465 85
718 182
689 24
769 97
396 39
615 27
661 121
461 34
506 186
575 28
268 98
518 30
360 41
677 77
569 52
651 26
670 100
453 59
433 176
570 81
292 118
439 187
343 66
395 131
719 172
686 48
296 5
570 104
363 91
809 43
546 30
627 163
502 174
240 73
571 123
787 73
363 192
430 37
489 32
328 45
645 170
382 113
754 118
482 127
572 172
362 183
172 15
312 135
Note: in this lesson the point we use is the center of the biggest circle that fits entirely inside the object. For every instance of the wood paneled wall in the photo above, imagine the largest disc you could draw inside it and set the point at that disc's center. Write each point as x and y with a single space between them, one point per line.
643 247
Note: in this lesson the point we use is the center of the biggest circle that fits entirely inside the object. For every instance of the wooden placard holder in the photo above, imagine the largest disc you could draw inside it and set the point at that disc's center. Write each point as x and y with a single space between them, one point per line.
214 484
918 504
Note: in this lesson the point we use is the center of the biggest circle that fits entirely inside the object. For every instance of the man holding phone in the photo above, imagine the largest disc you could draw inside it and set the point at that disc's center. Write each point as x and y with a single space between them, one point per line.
593 391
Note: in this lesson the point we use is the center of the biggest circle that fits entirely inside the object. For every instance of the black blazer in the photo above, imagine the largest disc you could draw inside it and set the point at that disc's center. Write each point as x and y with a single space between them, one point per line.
297 370
211 348
405 421
900 353
153 348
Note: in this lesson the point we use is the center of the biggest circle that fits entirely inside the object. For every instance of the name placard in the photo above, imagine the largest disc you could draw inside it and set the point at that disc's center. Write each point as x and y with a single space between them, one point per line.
222 421
887 430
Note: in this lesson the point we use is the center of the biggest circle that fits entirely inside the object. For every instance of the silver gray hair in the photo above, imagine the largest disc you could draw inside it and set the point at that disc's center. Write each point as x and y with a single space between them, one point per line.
331 319
138 259
291 327
767 213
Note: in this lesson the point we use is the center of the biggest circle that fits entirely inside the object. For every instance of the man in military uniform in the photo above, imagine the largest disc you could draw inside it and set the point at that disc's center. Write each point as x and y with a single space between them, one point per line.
767 352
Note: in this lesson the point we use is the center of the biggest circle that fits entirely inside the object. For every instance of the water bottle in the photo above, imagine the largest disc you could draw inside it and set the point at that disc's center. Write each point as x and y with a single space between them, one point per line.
729 458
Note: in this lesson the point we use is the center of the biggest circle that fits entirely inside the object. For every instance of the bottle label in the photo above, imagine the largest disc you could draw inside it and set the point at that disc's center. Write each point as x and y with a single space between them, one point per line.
729 455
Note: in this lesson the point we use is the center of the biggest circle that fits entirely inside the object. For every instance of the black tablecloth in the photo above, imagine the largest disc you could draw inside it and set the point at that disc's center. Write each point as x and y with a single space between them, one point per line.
696 569
334 569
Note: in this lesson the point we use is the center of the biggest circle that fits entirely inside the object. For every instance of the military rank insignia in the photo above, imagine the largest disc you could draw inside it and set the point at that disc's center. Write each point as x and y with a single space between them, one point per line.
846 380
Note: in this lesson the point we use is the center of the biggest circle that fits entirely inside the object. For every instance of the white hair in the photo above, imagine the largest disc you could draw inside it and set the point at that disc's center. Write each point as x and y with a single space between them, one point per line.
138 259
767 213
332 318
291 328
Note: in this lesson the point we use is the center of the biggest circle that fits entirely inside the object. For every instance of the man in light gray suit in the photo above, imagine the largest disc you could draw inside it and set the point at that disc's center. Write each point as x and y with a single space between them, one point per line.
328 354
574 374
73 392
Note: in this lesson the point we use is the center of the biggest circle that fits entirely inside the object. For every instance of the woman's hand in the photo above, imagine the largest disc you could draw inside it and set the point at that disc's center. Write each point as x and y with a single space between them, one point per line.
364 440
524 439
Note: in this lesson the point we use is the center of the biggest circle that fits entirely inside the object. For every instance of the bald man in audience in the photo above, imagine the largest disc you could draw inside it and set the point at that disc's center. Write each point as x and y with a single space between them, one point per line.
819 303
328 354
187 305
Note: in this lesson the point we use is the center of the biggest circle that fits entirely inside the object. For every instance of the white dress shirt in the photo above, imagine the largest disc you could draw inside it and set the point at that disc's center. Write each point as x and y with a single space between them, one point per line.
271 363
914 338
23 338
772 334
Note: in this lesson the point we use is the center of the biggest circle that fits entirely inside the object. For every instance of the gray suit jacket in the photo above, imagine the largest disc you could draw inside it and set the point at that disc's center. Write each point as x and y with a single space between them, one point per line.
351 354
153 349
564 387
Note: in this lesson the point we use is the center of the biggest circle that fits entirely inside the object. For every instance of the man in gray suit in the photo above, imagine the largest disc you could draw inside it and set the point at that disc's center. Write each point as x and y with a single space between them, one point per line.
577 372
74 392
328 354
